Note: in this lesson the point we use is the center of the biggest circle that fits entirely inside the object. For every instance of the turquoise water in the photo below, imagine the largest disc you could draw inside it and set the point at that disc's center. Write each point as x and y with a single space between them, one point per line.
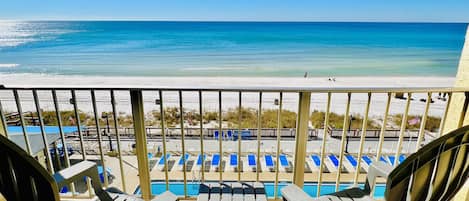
18 130
123 48
158 187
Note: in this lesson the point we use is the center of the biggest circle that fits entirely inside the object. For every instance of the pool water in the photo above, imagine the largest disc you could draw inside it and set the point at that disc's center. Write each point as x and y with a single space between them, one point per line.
176 187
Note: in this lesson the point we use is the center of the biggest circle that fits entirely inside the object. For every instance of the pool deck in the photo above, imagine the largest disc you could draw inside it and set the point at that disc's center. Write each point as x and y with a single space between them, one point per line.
132 179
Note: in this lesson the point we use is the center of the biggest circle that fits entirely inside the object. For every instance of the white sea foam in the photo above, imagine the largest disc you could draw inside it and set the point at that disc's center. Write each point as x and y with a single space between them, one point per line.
9 65
14 33
213 69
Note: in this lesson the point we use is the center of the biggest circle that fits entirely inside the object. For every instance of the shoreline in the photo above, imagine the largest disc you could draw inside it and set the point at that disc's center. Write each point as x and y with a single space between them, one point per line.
340 81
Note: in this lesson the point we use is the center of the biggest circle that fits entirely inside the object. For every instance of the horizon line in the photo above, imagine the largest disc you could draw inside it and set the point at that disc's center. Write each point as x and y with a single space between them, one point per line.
197 20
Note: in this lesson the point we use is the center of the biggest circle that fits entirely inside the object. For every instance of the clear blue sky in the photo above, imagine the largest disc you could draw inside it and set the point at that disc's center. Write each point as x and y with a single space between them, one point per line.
239 10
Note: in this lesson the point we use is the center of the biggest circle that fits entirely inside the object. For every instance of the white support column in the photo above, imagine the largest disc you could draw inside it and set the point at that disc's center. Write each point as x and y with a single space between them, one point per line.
456 105
457 99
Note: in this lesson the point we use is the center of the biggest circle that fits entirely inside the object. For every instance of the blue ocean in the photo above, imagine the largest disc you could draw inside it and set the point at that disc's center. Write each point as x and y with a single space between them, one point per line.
156 48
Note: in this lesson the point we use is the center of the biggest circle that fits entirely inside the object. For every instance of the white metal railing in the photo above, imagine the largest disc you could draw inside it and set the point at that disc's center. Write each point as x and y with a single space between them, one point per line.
138 113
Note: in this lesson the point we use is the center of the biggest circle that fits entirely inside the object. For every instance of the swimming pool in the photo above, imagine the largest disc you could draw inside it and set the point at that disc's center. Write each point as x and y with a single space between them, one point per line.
177 187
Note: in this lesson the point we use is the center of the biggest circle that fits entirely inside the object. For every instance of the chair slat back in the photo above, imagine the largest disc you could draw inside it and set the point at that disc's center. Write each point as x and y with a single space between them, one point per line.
22 177
460 168
435 172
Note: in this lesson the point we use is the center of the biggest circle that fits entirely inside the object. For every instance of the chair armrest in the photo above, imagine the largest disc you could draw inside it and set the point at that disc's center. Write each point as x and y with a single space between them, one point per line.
380 169
2 198
376 169
294 193
74 172
79 170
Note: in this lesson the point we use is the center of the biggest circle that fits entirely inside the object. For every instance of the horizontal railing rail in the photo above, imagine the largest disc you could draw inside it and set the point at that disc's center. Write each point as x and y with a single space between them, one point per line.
244 88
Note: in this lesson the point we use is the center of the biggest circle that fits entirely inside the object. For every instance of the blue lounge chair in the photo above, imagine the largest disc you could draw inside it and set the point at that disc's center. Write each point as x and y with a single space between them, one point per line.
161 162
235 135
392 159
229 134
352 160
316 160
101 173
60 148
245 134
215 160
383 159
251 160
284 161
334 160
200 159
215 135
269 161
233 160
401 158
184 159
367 160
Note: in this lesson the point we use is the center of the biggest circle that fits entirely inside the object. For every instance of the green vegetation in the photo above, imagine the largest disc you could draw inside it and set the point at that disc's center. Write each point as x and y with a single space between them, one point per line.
67 117
269 118
249 119
210 116
248 116
337 121
172 117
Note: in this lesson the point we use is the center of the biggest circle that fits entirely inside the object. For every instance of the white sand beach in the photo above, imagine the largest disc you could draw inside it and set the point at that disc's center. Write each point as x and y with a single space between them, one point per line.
230 99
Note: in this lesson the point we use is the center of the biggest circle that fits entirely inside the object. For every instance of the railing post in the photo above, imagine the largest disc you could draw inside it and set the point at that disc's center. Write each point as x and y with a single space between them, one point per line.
445 115
2 129
423 122
259 131
323 146
343 140
136 98
3 123
464 110
301 138
119 149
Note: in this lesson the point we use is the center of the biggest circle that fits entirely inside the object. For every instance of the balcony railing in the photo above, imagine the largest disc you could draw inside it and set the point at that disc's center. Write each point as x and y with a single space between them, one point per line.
244 154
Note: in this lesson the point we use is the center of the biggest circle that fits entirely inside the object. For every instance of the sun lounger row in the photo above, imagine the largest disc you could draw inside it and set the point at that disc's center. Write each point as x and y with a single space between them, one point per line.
351 162
232 192
249 162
